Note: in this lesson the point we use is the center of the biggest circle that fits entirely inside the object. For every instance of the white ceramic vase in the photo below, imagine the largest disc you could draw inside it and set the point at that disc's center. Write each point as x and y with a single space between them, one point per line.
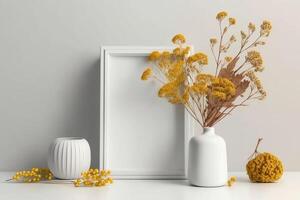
207 165
68 157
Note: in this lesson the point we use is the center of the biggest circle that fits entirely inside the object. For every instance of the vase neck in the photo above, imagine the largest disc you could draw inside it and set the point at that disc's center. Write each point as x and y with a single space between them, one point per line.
208 131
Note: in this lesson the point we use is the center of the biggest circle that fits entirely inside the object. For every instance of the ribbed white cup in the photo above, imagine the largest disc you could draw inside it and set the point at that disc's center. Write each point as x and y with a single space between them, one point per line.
68 157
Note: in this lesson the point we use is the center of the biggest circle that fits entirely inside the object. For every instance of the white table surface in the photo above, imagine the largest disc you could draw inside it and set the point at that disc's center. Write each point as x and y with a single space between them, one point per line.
288 188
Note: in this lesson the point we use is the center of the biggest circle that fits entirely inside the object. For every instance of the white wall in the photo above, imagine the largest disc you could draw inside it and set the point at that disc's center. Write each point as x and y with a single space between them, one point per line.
49 65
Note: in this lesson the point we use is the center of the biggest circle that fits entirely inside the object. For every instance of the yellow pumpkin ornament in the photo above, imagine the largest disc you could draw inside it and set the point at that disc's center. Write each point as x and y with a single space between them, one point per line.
264 167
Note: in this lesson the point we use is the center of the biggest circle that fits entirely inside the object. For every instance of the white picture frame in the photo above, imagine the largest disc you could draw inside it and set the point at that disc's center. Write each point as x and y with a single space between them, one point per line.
127 149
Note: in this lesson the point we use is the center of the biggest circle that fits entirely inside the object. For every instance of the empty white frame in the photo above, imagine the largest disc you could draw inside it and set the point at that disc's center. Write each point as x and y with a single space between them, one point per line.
141 135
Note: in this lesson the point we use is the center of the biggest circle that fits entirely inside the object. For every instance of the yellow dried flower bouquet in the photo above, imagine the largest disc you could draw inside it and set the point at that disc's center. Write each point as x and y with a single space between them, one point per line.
209 98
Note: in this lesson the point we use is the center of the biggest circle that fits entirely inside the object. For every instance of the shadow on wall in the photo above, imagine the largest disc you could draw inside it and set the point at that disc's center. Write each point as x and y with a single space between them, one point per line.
83 119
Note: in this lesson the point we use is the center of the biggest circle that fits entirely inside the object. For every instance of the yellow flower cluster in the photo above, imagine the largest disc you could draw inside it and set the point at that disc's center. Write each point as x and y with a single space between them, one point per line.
255 59
204 78
155 55
33 175
199 88
177 51
170 63
231 181
228 58
264 168
222 88
171 92
232 21
213 41
265 28
199 58
165 55
181 51
94 177
175 72
201 85
146 74
255 80
221 15
178 39
251 27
